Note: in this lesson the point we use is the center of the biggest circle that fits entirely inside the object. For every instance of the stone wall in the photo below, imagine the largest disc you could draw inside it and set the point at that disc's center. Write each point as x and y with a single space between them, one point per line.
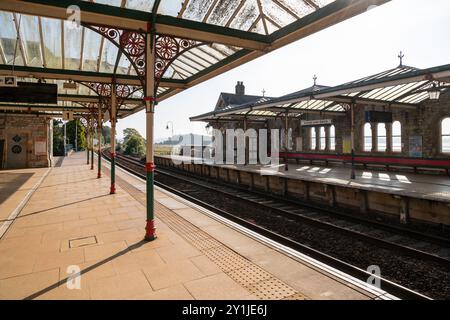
35 134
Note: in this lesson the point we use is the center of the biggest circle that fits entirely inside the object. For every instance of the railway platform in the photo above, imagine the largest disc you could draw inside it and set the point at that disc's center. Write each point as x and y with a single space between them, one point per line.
61 222
408 198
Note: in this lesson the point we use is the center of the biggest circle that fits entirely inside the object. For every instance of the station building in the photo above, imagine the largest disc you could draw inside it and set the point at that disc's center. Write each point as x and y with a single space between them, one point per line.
401 116
26 141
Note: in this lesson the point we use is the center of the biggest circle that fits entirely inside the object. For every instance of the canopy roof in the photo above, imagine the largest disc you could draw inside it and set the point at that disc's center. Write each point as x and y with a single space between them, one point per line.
41 43
404 87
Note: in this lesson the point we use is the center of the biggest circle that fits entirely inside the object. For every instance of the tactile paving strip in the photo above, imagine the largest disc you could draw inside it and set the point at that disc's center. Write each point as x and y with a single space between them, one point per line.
256 280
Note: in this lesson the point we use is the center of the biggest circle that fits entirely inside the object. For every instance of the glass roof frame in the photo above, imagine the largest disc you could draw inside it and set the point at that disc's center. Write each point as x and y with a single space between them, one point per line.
233 31
404 87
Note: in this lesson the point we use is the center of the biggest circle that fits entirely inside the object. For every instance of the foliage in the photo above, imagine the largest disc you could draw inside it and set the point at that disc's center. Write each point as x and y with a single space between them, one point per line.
58 138
106 134
128 133
133 143
80 132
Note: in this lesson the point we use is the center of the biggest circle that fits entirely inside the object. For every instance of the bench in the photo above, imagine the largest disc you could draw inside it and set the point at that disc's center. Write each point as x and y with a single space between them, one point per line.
384 161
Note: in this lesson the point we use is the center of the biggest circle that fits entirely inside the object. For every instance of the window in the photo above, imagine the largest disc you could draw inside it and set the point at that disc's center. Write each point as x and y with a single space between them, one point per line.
313 138
381 137
397 137
367 137
323 138
445 135
332 138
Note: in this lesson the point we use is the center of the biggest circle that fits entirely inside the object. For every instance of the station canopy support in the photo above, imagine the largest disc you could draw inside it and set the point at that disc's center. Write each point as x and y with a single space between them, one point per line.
136 54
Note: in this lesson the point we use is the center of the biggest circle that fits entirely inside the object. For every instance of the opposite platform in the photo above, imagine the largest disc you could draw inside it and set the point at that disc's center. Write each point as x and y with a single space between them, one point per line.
72 222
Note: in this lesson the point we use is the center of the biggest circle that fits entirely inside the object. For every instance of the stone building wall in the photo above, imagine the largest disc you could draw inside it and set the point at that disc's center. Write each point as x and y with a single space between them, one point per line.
27 141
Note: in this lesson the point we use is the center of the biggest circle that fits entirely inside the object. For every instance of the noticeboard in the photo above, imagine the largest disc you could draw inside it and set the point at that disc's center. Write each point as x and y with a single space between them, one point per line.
40 147
415 147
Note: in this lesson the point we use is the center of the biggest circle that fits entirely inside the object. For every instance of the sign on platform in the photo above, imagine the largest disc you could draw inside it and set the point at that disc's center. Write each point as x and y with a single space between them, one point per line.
415 147
68 115
8 81
320 122
40 147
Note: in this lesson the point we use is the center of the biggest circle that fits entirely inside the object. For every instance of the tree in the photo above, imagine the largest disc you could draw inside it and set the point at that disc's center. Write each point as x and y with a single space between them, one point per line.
128 133
106 133
135 146
58 138
133 143
80 131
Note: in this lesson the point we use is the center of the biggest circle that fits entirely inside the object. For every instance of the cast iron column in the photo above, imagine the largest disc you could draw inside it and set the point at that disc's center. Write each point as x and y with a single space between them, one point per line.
352 137
87 141
99 137
113 138
150 109
286 140
92 141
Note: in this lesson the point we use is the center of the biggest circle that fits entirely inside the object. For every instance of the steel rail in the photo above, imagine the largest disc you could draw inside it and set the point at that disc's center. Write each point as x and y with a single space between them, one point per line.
389 286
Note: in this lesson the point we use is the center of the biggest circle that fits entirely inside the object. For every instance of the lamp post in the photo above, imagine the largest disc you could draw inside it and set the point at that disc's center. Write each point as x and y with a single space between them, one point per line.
167 128
65 140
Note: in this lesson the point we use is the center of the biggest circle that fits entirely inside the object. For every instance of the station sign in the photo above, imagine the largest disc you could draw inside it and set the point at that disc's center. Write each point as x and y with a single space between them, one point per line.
378 116
68 115
319 122
8 81
29 92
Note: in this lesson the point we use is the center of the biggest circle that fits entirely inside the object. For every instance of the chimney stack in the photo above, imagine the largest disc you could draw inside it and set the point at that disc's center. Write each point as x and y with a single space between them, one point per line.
240 88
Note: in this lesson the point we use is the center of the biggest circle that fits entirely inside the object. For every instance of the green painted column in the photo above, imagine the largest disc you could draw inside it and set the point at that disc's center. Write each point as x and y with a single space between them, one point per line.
92 147
113 119
87 143
149 100
99 137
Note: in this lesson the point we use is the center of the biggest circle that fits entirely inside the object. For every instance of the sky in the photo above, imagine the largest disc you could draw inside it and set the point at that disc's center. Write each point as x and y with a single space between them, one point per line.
361 46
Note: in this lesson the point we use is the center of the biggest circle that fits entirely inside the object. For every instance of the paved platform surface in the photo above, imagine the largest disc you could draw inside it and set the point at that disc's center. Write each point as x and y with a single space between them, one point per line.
14 186
71 224
424 186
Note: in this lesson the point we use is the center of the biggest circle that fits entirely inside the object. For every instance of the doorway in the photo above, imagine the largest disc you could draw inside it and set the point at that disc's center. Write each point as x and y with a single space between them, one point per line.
17 151
2 149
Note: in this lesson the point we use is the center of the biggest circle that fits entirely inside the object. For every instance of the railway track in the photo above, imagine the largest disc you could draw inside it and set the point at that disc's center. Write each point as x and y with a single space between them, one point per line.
426 249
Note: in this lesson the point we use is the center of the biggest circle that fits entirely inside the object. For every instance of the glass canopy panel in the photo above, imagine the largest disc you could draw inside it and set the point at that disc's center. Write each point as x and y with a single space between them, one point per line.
141 5
123 66
223 11
109 56
72 46
271 27
91 50
170 8
51 31
29 34
8 38
239 14
196 9
247 16
115 3
213 53
276 13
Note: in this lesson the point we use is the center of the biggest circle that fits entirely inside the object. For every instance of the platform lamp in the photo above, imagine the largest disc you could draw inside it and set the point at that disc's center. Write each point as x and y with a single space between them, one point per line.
167 128
434 92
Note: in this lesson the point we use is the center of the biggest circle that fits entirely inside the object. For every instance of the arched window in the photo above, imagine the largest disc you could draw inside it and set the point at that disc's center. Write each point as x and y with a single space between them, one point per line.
367 137
445 135
313 138
397 136
332 138
381 137
323 138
